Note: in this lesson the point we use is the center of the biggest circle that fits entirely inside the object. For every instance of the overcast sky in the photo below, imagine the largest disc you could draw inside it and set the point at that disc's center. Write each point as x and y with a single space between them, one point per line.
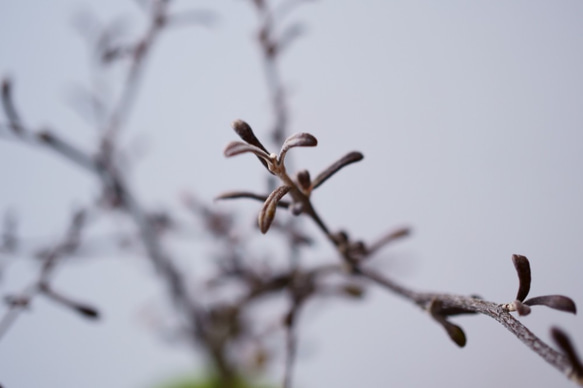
470 118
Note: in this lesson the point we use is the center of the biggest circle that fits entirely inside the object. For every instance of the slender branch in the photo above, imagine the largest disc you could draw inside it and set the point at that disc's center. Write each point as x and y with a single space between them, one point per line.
64 247
440 305
15 123
291 343
131 85
471 304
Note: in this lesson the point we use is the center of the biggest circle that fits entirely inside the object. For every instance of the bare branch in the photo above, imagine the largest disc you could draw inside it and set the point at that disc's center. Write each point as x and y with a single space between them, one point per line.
66 246
493 310
394 235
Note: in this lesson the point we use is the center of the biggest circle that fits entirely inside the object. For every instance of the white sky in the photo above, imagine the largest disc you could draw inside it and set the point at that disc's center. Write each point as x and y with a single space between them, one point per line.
468 114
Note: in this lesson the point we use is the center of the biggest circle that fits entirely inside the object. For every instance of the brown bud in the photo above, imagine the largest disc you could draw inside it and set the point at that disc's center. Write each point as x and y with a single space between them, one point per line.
521 308
303 179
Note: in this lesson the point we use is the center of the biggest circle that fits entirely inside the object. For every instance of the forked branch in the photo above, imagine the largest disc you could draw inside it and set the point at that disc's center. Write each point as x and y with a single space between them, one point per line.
439 306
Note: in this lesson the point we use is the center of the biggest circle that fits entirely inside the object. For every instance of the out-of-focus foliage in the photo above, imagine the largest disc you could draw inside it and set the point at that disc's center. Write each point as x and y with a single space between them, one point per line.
205 382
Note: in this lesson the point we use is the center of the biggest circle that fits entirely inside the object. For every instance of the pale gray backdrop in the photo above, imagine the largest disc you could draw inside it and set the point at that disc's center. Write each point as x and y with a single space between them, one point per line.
470 118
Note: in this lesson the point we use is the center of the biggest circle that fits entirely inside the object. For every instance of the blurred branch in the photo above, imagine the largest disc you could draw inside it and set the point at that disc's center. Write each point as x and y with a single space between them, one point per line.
9 109
51 258
219 327
140 50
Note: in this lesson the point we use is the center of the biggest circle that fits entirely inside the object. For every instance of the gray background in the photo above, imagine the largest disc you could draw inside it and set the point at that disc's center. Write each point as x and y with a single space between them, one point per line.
469 116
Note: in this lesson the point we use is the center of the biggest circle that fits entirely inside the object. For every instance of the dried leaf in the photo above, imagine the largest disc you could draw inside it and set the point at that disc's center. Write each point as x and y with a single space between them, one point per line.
563 342
297 140
246 194
455 332
557 302
344 161
246 134
523 270
389 238
267 213
237 147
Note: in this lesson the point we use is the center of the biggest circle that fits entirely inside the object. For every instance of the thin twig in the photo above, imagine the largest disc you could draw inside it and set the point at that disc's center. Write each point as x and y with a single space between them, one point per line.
64 247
